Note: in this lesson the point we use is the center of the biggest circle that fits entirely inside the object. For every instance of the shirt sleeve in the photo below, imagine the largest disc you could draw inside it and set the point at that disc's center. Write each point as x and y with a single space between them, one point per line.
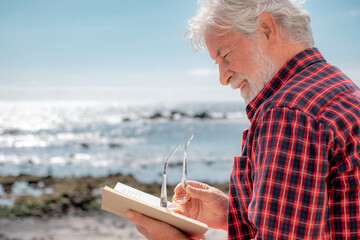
288 154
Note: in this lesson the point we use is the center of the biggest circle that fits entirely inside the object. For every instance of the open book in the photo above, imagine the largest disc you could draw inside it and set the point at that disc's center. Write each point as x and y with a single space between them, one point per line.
122 198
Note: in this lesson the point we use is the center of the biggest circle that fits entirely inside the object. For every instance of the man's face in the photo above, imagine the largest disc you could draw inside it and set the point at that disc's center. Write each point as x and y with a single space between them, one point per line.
242 63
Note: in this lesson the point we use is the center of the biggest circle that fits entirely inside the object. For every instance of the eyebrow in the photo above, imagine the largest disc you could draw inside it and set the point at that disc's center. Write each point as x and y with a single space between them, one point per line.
218 53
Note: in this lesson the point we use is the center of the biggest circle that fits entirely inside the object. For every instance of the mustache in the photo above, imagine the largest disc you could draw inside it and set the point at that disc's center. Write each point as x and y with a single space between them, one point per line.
236 79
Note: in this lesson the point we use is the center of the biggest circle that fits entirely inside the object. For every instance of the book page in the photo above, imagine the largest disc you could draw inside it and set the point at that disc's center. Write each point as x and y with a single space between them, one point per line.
137 194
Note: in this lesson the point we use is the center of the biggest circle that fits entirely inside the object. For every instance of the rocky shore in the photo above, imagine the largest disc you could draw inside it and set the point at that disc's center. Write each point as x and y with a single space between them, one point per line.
69 208
66 195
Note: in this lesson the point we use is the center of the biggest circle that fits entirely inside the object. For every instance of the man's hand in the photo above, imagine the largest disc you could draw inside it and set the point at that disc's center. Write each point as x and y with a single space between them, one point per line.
153 229
207 204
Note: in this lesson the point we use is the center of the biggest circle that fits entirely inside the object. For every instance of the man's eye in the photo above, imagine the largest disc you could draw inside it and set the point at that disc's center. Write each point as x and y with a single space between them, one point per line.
224 58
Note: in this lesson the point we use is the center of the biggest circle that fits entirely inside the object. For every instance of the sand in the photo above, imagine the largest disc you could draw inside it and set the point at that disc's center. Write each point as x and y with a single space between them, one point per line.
72 211
104 226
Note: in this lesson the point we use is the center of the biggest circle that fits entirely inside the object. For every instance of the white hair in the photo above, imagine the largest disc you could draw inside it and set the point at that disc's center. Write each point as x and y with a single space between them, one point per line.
242 15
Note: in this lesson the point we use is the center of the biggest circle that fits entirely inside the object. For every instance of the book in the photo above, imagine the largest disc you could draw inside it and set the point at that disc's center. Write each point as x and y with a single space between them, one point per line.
122 198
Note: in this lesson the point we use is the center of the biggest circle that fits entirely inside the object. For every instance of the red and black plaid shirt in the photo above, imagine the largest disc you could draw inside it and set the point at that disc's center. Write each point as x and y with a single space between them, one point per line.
298 176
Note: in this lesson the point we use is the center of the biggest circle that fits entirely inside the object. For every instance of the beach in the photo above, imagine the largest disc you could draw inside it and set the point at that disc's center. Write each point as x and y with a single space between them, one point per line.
56 156
71 210
90 227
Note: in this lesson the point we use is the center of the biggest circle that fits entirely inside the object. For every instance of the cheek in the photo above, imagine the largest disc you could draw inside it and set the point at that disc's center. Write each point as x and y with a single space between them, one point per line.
243 65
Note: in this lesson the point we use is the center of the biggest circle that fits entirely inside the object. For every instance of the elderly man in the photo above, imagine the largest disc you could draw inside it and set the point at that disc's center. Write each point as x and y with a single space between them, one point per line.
298 176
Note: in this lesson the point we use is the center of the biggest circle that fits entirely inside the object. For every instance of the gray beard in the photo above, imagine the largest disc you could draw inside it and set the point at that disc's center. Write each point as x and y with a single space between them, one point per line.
260 78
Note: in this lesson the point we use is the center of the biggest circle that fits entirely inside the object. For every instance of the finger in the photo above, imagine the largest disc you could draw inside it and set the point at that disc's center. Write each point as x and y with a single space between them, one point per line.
138 218
177 193
197 184
152 228
179 188
144 224
199 238
143 231
181 197
198 192
185 209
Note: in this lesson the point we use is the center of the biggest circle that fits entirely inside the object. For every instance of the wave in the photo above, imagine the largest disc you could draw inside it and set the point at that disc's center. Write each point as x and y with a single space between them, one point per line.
79 139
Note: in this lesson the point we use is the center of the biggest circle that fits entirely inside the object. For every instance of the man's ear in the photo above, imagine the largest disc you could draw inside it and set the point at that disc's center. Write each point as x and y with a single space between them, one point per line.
268 27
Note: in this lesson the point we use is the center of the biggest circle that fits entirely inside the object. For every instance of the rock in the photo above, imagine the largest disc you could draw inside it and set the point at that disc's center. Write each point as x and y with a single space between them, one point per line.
202 115
114 145
177 115
10 132
85 145
156 116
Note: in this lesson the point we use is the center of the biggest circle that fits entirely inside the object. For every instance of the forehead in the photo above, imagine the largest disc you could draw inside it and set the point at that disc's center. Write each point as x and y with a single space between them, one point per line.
217 41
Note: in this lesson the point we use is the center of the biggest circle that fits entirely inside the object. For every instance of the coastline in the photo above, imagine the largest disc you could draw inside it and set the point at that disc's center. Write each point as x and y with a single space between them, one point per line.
72 209
61 196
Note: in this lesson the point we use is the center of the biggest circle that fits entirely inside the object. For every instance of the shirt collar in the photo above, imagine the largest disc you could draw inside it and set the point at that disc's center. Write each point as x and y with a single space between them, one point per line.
290 69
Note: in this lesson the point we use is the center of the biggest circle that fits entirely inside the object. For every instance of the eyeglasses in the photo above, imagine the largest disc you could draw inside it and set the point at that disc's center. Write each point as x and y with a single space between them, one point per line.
182 198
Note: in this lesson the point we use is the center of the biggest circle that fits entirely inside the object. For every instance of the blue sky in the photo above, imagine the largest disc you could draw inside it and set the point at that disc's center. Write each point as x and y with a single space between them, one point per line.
134 50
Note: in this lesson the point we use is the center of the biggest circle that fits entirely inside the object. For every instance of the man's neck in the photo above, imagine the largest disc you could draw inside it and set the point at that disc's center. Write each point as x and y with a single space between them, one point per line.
287 51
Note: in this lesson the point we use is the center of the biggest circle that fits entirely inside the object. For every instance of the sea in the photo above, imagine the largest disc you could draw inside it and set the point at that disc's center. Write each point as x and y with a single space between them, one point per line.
87 138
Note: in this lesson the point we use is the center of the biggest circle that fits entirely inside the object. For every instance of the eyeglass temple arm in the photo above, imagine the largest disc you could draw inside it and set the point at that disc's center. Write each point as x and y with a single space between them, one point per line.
163 196
184 173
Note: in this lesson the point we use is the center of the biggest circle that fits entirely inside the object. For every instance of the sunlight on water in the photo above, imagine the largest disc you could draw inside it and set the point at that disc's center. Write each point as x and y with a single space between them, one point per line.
94 139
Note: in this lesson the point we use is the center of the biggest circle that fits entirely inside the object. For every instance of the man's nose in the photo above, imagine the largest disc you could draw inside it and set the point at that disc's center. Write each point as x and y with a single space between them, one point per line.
225 74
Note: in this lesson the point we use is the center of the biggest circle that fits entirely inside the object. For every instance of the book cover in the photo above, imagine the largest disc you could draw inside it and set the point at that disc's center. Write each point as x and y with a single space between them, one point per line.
122 198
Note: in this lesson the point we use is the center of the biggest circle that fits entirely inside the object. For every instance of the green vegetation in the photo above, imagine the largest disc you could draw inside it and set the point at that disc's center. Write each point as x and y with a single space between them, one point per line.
71 195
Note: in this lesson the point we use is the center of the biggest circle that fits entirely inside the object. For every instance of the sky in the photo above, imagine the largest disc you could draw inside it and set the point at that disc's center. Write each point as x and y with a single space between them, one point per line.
134 50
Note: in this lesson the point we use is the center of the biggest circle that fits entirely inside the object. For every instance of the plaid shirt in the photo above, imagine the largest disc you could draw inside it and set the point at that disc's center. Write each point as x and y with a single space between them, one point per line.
299 175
